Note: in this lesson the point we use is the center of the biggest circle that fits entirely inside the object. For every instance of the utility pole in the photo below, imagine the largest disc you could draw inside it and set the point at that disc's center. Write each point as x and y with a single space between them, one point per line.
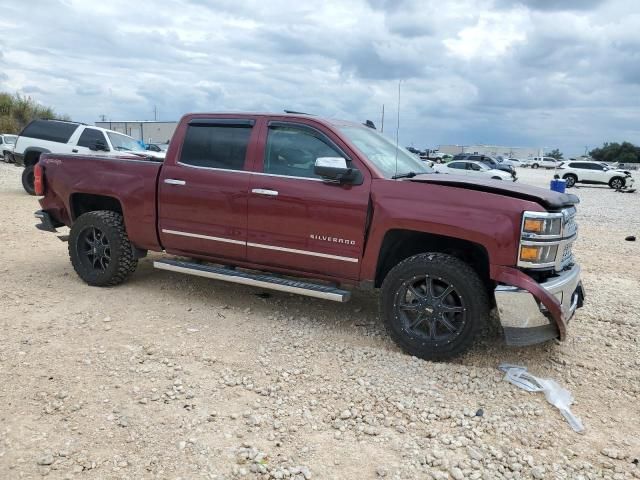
155 113
103 118
382 122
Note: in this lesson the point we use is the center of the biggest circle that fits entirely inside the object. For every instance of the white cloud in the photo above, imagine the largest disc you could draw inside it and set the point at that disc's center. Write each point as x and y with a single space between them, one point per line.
560 74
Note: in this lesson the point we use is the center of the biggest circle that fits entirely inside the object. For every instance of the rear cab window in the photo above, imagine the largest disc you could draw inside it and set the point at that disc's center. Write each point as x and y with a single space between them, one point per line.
50 130
216 143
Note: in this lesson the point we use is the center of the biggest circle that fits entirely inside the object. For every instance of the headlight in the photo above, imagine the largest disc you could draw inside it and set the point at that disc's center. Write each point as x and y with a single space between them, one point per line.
541 226
545 237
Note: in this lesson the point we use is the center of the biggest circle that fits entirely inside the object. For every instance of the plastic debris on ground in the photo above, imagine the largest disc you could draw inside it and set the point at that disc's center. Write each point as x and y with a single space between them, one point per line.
556 395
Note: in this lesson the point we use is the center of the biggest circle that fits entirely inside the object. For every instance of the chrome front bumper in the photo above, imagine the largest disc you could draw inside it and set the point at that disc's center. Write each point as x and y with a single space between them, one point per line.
526 321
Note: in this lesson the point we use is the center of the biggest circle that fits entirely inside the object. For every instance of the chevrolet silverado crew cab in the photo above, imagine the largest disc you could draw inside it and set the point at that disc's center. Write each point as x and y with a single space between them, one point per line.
61 136
320 207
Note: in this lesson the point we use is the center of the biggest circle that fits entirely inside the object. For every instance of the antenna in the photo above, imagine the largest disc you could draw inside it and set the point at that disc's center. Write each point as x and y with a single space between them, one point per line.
398 126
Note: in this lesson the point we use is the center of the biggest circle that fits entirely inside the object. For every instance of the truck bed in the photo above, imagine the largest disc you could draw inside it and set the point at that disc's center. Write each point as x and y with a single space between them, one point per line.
131 180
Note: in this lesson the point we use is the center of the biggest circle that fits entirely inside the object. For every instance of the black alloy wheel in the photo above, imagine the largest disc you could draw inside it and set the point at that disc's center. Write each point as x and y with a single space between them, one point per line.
431 309
433 305
100 250
94 250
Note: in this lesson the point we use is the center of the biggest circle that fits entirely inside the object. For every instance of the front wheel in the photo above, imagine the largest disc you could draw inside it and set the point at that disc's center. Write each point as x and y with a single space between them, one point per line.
535 165
100 250
570 180
28 180
616 183
433 305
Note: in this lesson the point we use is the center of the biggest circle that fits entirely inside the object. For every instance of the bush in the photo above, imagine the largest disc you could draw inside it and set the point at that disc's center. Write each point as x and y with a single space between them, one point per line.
17 110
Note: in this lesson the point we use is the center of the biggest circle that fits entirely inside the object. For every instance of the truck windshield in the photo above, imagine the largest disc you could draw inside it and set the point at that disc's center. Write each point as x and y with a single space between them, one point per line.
124 143
382 152
10 139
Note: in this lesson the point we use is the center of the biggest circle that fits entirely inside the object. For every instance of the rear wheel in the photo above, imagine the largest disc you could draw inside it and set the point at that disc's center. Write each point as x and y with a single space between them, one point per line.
433 305
535 165
570 180
100 250
616 183
28 180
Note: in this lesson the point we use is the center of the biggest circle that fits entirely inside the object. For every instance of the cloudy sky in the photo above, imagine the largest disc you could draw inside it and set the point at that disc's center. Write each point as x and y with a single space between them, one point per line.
526 73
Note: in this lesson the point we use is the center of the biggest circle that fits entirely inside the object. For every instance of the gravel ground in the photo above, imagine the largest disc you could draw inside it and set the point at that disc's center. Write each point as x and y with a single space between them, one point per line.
177 377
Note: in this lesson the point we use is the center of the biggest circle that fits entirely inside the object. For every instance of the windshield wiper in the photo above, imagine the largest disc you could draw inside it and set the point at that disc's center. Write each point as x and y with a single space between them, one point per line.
404 175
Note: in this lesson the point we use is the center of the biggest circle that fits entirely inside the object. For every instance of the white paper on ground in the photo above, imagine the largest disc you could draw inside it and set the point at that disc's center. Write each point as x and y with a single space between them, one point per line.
556 395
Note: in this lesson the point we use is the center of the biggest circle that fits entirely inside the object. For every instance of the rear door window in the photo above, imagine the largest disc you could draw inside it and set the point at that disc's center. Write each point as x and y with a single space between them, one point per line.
50 130
216 144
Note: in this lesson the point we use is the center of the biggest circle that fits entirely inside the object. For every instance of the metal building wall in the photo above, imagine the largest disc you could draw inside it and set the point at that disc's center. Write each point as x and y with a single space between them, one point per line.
147 131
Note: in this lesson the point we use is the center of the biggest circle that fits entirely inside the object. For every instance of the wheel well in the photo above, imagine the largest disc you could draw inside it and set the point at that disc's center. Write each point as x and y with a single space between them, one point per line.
400 244
86 202
31 158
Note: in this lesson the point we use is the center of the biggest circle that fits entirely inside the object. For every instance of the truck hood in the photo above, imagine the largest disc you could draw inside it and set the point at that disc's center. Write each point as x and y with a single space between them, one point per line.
547 198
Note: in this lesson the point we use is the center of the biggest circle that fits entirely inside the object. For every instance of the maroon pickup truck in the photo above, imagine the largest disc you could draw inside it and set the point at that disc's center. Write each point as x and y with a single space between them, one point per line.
319 207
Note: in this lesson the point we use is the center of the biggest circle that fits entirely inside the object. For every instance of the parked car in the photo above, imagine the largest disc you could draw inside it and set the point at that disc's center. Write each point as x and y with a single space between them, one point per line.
7 143
627 166
487 160
517 162
435 156
58 136
157 147
337 206
595 173
473 169
545 162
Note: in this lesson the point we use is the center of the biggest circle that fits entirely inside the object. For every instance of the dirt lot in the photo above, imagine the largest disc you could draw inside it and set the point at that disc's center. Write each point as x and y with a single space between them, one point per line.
178 377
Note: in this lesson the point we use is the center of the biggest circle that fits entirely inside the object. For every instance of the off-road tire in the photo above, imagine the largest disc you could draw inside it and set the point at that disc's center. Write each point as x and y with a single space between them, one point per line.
436 265
617 183
570 180
28 180
123 261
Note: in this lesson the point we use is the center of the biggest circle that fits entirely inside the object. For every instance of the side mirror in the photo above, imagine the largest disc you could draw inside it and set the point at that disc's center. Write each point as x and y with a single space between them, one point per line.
335 170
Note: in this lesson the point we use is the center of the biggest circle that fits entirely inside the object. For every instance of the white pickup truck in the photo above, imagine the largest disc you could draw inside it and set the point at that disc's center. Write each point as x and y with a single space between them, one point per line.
58 136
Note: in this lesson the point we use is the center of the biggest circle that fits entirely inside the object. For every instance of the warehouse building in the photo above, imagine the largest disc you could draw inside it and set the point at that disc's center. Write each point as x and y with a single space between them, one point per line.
149 131
492 150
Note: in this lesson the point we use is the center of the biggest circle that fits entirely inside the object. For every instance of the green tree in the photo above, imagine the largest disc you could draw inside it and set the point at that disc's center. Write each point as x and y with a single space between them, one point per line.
555 153
18 110
625 152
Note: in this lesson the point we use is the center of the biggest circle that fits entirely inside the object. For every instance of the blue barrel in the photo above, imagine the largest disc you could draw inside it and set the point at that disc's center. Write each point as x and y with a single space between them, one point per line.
558 185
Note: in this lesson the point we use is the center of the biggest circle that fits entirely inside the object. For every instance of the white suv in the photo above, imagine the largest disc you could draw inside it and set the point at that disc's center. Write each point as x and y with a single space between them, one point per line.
7 142
595 173
544 162
57 136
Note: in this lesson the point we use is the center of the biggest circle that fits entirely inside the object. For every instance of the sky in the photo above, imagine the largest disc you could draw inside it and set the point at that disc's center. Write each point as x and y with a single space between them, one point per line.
548 74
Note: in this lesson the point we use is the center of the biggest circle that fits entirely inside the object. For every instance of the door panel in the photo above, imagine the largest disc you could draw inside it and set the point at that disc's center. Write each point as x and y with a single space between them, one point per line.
202 208
298 221
310 225
207 214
